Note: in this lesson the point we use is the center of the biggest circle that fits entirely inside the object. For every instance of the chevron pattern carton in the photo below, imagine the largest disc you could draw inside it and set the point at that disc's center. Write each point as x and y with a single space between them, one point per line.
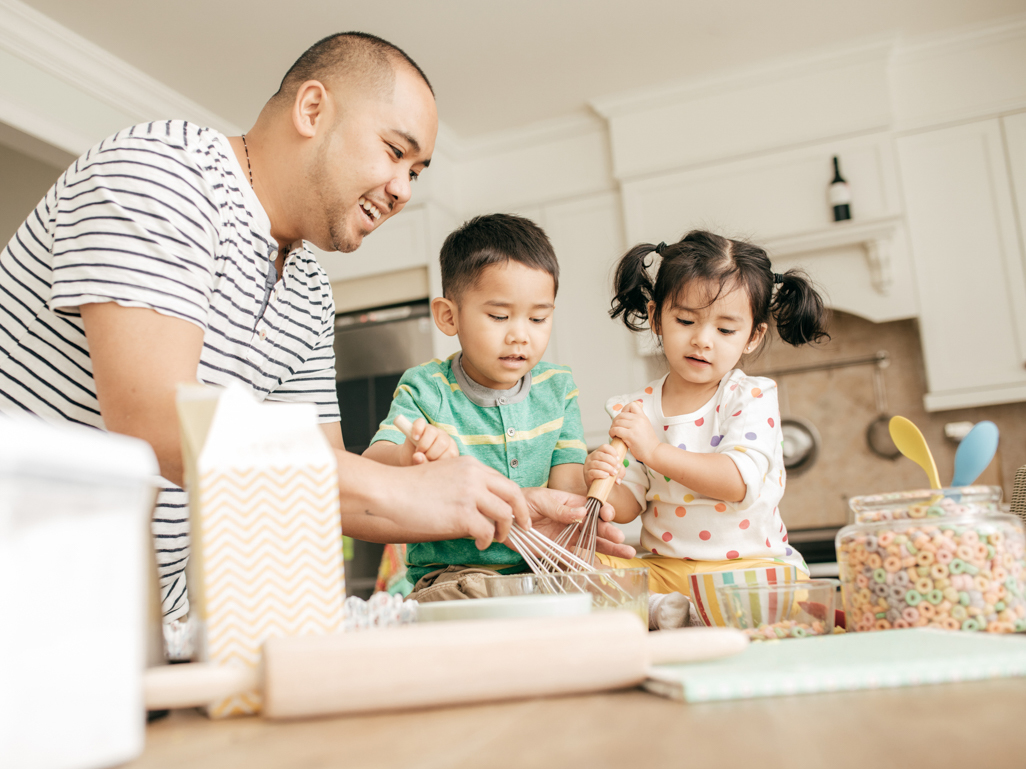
266 554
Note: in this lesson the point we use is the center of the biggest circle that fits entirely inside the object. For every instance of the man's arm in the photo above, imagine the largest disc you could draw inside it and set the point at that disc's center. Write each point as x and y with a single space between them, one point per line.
139 358
333 432
430 501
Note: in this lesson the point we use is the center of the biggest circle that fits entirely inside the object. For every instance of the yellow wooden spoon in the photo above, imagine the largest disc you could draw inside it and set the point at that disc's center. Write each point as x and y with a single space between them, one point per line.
910 442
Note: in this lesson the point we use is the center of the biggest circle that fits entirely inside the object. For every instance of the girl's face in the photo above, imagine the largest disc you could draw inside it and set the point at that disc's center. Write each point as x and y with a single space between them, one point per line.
704 341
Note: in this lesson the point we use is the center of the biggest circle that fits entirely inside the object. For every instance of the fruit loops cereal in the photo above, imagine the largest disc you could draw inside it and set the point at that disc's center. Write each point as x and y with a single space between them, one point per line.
789 628
958 572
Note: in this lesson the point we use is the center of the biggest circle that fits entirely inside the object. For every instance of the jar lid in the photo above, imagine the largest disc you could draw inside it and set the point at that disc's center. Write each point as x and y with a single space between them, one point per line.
925 503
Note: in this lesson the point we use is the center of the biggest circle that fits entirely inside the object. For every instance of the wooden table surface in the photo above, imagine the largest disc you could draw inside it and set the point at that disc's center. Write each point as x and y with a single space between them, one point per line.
979 724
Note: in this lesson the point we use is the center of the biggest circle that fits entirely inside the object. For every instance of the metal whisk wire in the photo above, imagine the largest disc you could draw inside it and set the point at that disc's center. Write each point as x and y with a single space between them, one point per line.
548 559
545 556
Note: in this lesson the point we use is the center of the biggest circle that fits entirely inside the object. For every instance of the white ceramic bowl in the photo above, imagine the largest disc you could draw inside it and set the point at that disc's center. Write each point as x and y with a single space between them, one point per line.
505 607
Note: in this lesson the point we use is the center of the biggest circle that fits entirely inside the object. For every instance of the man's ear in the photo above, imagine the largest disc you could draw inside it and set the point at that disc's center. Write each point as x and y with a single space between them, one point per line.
757 336
444 312
653 319
309 108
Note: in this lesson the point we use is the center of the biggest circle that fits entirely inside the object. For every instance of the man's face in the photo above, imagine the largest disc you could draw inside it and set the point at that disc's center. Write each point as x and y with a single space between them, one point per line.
504 322
368 160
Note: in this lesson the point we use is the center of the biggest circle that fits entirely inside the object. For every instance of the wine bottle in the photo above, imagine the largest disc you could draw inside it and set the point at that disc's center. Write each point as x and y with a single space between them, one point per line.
840 194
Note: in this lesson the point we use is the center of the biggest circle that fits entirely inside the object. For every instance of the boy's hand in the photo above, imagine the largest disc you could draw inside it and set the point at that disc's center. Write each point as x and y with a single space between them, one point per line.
427 443
601 463
633 428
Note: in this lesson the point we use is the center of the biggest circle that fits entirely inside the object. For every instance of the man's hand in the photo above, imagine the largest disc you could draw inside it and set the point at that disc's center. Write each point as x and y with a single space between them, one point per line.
427 443
447 499
633 428
552 510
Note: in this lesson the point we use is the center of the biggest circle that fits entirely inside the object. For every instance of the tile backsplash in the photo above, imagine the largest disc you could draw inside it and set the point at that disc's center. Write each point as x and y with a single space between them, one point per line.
841 404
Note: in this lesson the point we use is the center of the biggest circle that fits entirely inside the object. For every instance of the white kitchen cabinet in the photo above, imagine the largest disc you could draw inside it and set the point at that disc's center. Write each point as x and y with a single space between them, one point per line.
779 200
1014 127
400 243
588 239
968 263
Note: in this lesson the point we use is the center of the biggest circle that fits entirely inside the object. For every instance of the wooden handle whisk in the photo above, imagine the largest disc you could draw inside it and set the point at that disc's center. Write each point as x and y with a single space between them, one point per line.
600 489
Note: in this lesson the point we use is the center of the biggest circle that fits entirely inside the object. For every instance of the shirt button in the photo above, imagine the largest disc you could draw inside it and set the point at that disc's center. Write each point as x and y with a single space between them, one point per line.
511 432
513 463
502 400
263 334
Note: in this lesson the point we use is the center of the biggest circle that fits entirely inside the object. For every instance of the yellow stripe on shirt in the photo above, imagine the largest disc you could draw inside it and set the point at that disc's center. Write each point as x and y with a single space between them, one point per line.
452 385
546 374
571 445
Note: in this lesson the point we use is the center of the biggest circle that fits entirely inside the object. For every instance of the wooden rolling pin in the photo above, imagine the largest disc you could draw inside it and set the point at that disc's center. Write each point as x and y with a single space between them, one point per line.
445 663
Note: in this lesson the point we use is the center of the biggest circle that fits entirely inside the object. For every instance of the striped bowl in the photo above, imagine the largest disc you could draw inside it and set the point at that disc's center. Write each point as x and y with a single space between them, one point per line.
709 604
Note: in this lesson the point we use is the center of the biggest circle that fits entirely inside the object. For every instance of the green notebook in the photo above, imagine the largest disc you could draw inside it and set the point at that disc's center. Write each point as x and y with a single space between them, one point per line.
843 662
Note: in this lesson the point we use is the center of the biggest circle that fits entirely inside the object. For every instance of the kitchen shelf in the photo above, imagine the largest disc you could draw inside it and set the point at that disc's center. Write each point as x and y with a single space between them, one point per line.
874 236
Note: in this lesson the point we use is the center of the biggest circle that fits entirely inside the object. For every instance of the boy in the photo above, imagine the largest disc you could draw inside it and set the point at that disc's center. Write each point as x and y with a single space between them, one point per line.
494 400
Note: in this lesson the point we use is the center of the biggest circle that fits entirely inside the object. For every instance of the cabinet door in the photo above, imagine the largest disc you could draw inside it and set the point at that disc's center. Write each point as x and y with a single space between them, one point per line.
398 245
588 239
968 264
1015 139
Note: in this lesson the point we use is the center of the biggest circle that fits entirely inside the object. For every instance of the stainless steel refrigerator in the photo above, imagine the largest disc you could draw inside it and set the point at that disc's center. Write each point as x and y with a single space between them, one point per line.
372 350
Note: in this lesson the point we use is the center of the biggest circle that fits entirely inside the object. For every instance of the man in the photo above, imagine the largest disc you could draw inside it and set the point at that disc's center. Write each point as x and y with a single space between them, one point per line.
170 253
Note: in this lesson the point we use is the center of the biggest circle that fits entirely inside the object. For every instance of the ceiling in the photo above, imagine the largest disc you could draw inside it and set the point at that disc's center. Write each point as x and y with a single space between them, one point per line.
495 64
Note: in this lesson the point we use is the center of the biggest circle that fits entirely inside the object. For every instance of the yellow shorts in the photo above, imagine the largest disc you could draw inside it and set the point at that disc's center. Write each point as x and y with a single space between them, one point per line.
670 575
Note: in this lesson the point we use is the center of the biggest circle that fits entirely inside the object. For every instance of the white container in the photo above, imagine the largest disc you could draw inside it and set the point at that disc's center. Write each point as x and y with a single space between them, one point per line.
75 551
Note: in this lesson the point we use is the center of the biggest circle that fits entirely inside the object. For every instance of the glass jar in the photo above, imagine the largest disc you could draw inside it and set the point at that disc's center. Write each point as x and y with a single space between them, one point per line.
943 558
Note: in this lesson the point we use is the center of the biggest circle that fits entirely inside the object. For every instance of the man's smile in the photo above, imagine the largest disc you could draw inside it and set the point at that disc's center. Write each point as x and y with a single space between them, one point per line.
370 211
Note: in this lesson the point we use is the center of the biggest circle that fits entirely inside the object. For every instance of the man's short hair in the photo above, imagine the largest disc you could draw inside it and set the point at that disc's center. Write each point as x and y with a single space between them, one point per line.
350 55
493 239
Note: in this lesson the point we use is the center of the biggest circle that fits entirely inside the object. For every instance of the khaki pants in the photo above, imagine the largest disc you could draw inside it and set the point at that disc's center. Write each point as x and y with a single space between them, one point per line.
451 583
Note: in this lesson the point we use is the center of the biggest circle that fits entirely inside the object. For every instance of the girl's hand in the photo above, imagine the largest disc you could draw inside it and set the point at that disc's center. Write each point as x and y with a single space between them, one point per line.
633 428
426 443
601 463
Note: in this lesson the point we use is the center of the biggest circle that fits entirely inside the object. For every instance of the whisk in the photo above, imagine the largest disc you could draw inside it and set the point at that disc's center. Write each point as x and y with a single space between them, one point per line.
597 495
545 556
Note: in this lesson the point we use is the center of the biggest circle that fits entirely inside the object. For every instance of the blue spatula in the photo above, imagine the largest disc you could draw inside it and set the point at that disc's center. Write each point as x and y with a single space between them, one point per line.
974 453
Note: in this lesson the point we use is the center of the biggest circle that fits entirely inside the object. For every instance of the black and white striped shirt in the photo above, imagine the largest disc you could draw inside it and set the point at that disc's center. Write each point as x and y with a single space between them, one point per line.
161 216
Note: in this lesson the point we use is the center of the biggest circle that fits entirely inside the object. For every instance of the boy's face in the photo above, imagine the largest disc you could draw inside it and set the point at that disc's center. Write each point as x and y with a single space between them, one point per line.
504 322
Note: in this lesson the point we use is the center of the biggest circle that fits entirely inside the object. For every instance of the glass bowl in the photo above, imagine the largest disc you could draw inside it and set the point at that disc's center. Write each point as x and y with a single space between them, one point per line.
705 587
941 558
609 588
768 612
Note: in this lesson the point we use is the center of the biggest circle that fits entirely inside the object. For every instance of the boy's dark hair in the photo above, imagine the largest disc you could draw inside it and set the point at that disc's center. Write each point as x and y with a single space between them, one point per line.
493 239
727 264
351 55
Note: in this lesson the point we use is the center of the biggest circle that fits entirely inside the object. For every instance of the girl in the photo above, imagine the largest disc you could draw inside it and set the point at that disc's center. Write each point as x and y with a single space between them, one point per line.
705 466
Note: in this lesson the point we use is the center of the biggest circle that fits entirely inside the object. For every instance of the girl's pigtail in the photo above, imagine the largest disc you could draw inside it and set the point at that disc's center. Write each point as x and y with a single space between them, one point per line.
798 309
632 288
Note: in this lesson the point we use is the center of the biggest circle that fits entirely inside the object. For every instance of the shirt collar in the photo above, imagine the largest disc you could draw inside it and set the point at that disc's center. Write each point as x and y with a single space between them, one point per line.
486 397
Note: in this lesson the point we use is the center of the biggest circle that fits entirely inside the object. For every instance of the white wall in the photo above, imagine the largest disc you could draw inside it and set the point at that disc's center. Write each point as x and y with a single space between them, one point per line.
23 182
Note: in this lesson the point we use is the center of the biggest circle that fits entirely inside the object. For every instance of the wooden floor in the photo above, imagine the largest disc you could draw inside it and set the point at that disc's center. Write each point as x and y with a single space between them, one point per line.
980 725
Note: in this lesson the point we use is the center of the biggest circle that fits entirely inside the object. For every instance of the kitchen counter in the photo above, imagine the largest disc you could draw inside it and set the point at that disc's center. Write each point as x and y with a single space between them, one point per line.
967 724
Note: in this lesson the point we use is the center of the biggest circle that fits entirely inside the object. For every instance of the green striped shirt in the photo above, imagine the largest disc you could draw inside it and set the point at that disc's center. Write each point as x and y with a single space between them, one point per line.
538 427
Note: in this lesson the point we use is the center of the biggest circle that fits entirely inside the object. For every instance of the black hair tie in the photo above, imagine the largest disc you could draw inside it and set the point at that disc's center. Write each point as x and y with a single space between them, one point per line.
778 278
660 248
